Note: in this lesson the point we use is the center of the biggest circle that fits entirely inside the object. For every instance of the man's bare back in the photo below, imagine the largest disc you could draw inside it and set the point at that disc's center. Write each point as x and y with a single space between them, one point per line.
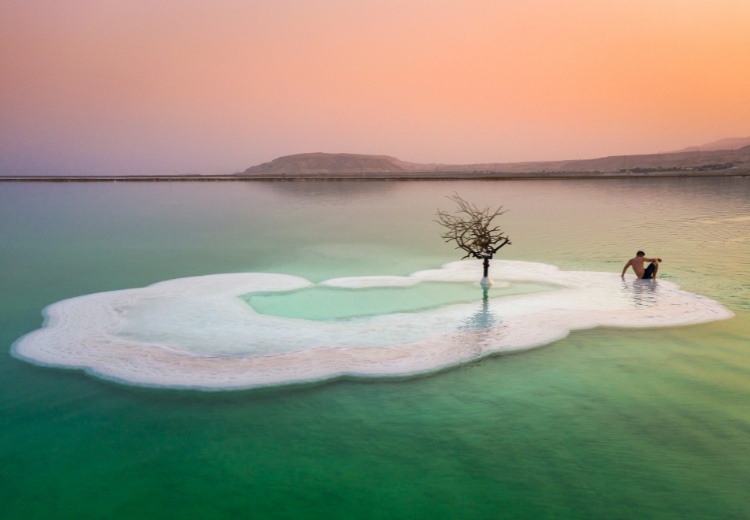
641 271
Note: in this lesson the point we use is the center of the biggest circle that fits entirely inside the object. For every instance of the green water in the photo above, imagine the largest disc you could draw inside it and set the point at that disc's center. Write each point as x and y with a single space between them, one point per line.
603 424
332 303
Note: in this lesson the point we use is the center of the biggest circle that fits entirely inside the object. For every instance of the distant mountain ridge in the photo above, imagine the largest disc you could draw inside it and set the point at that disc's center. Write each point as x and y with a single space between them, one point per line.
333 163
322 164
730 143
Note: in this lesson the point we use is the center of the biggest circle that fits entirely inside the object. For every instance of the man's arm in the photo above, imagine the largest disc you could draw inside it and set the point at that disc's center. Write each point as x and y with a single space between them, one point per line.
651 259
625 268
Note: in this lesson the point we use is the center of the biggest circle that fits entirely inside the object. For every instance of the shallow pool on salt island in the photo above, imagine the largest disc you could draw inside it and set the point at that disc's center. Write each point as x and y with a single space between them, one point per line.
248 330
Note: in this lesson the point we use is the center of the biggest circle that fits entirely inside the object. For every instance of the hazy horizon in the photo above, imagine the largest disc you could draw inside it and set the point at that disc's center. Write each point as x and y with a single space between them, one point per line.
164 87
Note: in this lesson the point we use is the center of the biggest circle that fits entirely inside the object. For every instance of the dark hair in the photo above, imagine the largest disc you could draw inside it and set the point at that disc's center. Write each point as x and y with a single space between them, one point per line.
640 253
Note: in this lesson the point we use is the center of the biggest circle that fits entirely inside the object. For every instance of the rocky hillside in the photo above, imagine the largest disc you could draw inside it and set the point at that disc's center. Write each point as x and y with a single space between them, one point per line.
352 164
332 163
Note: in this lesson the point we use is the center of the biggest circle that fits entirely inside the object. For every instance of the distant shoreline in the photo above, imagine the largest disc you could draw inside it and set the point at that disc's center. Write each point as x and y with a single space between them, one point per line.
378 176
319 166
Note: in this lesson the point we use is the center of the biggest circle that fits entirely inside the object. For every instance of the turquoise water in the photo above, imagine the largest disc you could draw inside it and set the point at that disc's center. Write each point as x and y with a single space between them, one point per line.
604 424
332 303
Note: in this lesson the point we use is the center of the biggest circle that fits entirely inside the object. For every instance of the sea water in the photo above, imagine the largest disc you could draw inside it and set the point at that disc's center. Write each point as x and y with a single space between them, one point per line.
608 422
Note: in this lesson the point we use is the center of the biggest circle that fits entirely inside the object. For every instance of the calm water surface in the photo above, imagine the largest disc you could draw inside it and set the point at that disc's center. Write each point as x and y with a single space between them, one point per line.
604 424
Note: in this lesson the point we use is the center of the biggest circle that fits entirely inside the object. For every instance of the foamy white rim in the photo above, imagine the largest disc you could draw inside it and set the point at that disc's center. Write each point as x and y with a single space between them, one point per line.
87 332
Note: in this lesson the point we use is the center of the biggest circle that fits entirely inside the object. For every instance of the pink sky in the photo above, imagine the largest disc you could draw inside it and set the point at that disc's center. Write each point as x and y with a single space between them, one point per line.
168 86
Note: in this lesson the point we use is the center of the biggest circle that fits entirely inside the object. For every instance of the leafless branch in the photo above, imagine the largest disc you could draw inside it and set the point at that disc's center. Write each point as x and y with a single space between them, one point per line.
472 229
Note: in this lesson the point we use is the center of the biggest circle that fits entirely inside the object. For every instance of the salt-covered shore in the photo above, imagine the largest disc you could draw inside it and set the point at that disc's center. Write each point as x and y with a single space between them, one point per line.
197 333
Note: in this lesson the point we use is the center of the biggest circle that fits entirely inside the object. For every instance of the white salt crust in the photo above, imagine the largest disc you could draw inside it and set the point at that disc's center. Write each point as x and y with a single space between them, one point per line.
197 333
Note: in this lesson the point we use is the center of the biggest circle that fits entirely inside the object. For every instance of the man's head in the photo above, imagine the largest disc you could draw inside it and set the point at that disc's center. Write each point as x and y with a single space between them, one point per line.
640 253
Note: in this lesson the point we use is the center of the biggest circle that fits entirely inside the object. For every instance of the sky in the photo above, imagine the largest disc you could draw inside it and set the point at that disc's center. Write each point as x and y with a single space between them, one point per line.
211 87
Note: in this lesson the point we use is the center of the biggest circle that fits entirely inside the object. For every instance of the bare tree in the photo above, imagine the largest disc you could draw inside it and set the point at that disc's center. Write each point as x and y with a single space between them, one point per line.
472 230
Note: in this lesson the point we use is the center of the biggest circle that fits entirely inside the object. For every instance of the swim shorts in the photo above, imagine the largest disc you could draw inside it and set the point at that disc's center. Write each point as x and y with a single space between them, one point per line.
648 272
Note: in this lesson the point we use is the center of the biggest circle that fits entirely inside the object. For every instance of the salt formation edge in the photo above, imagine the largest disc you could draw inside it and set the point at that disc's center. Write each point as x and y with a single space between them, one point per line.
86 332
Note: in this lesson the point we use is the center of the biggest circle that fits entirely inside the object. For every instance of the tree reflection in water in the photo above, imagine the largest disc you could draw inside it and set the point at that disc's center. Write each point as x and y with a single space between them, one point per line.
483 318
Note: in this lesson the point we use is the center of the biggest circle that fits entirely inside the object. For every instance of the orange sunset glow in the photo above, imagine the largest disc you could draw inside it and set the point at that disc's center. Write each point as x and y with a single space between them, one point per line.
165 86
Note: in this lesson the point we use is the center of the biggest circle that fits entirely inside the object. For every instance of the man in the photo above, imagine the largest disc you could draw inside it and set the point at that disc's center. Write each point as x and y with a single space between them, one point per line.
637 265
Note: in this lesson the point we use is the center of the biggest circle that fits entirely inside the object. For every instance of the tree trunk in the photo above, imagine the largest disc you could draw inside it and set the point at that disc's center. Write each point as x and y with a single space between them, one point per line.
486 266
